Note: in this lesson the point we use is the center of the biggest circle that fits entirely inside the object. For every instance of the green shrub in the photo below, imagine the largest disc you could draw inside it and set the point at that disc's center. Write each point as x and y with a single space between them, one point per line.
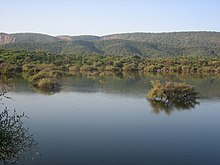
47 83
171 91
73 68
112 68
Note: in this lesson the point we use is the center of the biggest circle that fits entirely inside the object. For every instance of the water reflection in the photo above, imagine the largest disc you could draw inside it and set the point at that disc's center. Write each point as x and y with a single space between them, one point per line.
170 96
98 127
16 141
134 84
169 107
46 91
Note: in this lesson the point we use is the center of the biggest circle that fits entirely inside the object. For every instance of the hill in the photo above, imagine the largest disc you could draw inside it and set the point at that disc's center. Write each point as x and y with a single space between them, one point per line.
140 44
173 38
26 38
82 37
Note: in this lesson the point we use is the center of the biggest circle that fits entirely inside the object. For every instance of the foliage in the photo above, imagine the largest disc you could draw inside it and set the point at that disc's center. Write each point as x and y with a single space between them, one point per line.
33 37
35 66
15 139
170 96
177 39
140 44
42 75
171 92
47 83
7 68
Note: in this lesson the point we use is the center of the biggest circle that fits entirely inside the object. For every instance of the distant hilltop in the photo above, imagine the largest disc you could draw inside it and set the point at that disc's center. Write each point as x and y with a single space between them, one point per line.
194 38
141 44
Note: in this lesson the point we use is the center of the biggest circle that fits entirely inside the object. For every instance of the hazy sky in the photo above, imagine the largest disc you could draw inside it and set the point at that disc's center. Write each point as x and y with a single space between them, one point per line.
100 17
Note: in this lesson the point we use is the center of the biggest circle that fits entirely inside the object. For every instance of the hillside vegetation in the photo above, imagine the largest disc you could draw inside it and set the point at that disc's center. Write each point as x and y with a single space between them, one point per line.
184 39
134 44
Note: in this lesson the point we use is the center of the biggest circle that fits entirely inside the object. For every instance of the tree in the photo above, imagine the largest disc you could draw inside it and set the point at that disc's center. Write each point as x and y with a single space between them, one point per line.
15 139
171 91
169 95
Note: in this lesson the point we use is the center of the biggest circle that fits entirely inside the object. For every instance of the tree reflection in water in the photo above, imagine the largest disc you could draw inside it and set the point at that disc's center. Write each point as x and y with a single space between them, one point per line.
16 141
46 91
170 96
169 107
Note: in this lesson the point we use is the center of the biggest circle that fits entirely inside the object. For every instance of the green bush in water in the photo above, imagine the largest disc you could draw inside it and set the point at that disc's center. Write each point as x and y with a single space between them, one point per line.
171 92
48 83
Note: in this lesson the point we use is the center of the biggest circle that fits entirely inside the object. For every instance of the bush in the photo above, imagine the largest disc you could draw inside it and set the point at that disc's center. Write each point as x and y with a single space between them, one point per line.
130 67
112 68
73 68
171 92
48 83
87 68
15 140
7 68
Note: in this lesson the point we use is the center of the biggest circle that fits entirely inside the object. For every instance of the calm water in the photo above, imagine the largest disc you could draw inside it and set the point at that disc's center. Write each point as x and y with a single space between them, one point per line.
108 121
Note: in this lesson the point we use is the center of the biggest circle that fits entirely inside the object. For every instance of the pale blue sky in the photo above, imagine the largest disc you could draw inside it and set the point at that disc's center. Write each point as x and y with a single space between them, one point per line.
101 17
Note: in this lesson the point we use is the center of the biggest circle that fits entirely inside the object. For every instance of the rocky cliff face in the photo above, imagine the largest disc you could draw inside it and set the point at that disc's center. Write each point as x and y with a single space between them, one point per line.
6 38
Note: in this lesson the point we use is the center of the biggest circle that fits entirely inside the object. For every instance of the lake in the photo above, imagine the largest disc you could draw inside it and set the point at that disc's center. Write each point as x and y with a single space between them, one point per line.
108 121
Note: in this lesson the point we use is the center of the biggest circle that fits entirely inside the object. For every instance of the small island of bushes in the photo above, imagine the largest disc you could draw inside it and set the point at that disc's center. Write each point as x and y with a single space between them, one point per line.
169 95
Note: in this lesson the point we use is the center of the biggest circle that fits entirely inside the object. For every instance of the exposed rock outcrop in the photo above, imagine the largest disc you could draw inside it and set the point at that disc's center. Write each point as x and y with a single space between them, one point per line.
6 38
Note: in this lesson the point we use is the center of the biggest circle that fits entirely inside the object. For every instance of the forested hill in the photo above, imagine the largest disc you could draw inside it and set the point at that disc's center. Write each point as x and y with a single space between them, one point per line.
26 38
141 44
174 38
82 37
